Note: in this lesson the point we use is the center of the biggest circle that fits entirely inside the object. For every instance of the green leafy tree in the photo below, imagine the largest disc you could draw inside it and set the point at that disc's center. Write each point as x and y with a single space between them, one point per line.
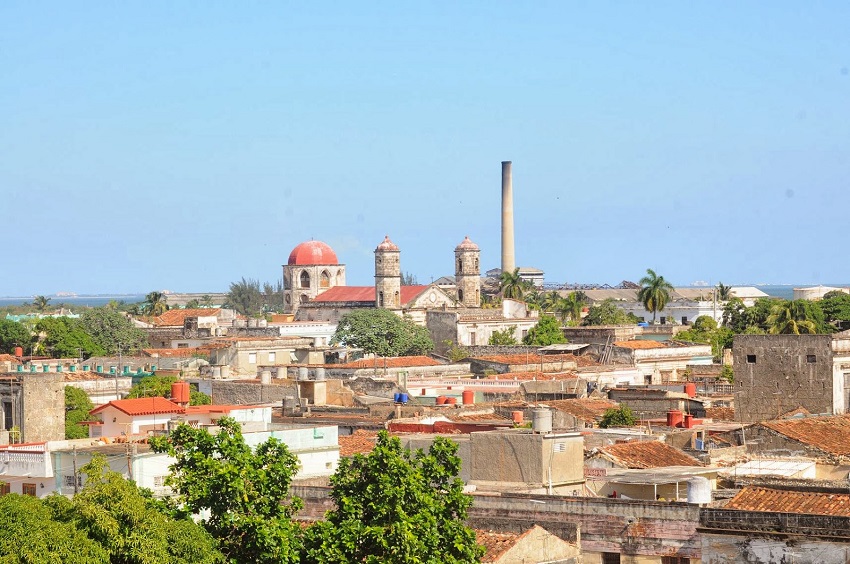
193 304
40 303
726 373
724 292
792 318
155 304
546 332
64 337
382 332
199 398
607 313
569 307
151 386
705 330
30 533
273 297
618 417
129 524
454 352
512 286
110 329
245 297
506 336
395 506
13 334
654 292
245 491
836 309
77 408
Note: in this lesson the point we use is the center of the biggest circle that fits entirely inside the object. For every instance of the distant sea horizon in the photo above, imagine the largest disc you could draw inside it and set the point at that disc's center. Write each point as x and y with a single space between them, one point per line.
784 291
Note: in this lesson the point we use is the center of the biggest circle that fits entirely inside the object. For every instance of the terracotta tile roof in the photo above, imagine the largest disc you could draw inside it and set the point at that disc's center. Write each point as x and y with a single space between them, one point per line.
8 358
584 409
177 353
514 359
389 362
830 434
495 544
720 413
525 376
176 317
649 454
360 442
364 294
642 344
799 411
142 406
460 417
784 501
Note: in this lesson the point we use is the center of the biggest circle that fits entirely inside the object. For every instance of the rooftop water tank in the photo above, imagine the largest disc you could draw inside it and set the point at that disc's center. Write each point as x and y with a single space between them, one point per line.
541 421
699 490
320 374
19 352
468 397
303 373
266 377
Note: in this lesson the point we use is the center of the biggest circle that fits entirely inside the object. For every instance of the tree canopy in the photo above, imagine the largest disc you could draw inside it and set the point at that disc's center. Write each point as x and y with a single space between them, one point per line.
110 329
64 337
382 332
155 304
156 385
654 293
618 417
506 336
395 506
546 332
607 313
77 408
13 334
512 286
245 491
245 297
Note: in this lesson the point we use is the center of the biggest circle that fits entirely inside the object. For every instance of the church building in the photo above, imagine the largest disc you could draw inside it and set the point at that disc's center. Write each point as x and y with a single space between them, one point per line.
315 290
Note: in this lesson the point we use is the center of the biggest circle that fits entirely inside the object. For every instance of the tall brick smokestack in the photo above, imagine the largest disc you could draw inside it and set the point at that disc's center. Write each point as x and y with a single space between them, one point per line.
508 258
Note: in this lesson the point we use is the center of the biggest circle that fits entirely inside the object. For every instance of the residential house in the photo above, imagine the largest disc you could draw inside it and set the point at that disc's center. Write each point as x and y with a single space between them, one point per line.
767 525
469 327
659 361
245 357
534 546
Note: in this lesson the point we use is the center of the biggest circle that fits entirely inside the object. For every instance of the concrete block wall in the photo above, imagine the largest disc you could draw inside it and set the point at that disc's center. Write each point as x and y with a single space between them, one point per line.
43 407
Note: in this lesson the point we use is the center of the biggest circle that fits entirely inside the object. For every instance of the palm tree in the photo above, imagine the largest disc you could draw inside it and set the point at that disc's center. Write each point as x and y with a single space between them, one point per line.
550 300
654 292
155 304
512 286
40 303
790 318
570 306
206 300
724 293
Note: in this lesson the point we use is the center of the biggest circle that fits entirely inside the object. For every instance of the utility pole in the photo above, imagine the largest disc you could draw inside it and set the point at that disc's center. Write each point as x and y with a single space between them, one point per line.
76 479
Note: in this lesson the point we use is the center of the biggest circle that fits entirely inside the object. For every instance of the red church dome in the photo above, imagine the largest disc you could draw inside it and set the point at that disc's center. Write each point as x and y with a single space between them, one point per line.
312 252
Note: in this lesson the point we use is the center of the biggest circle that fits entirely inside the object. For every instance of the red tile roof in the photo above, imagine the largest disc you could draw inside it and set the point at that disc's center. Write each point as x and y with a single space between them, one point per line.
530 359
364 294
359 442
142 406
495 544
8 358
642 344
829 434
720 413
525 376
784 501
584 409
198 409
177 353
389 362
176 317
649 454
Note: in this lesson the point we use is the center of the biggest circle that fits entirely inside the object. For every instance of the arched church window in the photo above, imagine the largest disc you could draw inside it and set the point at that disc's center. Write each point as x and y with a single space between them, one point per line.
288 299
380 299
304 298
459 264
459 295
305 279
325 280
478 296
476 264
396 300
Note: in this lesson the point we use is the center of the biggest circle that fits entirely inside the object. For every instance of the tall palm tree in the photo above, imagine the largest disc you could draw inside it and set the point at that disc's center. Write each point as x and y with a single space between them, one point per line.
550 300
570 306
40 303
654 292
724 293
155 304
206 300
512 286
790 318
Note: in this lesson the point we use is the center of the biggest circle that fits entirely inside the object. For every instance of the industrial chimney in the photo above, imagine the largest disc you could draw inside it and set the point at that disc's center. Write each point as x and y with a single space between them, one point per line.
508 258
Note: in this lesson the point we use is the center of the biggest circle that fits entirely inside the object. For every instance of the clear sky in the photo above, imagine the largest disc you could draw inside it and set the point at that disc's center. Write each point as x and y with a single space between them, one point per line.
183 145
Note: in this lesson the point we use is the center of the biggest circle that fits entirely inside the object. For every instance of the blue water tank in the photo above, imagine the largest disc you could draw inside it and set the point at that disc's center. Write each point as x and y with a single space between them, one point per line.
403 398
397 397
643 324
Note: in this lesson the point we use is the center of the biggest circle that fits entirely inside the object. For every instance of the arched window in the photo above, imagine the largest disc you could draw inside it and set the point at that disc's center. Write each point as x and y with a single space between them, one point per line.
325 280
304 298
305 279
459 295
459 264
288 299
476 264
478 296
380 299
397 300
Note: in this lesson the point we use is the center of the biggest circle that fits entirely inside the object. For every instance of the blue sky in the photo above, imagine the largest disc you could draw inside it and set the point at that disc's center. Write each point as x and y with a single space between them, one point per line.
184 145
